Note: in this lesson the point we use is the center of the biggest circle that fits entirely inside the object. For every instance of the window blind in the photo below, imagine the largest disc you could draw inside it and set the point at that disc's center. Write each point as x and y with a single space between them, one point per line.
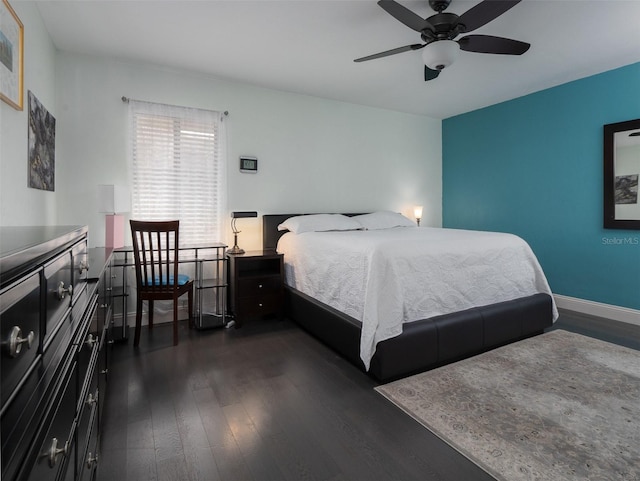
178 169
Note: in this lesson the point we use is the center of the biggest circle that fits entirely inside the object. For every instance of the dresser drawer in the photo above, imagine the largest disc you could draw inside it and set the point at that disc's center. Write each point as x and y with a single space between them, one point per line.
58 292
22 415
84 302
258 306
258 286
86 429
102 372
88 464
53 449
88 343
80 266
105 308
20 331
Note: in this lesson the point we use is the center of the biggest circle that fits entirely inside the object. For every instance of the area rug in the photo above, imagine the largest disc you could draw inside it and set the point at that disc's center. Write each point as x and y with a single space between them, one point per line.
559 406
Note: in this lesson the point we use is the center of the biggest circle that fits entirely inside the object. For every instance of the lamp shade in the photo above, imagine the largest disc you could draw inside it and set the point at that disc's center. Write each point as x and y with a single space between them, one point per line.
440 54
243 214
417 212
113 199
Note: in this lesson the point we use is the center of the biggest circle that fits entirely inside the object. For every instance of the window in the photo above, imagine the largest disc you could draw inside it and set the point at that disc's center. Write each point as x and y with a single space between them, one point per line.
177 168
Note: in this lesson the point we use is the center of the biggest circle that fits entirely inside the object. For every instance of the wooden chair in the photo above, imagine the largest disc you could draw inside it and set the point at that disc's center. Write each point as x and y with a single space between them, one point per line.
155 249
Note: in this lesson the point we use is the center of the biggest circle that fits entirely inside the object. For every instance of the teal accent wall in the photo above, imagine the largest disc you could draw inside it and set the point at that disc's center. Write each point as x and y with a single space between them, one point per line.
533 166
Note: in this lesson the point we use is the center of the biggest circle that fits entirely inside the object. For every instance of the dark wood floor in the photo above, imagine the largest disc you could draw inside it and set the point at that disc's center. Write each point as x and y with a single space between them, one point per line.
268 402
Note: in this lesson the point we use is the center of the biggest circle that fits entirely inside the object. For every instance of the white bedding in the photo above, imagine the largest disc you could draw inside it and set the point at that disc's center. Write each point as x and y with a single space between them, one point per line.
386 277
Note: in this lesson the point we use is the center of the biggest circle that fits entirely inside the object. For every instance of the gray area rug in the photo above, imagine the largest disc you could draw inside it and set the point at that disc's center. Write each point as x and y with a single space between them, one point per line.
559 406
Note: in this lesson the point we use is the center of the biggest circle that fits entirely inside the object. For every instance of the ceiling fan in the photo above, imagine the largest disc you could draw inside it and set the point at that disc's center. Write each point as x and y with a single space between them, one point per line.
439 31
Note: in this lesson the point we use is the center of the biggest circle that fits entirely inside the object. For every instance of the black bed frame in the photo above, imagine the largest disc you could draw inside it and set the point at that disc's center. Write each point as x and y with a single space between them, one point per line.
423 344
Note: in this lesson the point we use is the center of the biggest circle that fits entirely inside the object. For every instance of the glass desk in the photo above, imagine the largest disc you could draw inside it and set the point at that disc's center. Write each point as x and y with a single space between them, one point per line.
205 264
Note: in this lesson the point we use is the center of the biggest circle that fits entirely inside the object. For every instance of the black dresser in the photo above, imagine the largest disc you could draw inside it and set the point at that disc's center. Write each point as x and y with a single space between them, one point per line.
55 309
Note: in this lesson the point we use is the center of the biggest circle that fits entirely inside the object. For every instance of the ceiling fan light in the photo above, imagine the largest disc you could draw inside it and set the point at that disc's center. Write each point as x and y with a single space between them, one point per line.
440 54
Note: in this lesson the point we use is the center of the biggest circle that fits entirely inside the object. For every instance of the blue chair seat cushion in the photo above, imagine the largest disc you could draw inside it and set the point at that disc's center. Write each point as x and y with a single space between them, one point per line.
182 280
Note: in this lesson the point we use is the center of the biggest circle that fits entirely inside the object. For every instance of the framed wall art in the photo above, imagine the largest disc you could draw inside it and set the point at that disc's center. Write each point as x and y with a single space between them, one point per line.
621 173
42 146
11 56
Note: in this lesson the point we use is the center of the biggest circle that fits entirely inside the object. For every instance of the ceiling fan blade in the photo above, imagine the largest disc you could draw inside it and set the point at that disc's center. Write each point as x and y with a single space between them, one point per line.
386 53
484 12
404 15
491 44
430 74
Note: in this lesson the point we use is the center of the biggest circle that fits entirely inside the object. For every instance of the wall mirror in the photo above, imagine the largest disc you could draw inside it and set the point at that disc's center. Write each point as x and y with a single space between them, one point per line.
621 172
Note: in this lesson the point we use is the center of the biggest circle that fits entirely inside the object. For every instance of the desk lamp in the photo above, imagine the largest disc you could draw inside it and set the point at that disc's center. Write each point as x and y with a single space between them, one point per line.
238 215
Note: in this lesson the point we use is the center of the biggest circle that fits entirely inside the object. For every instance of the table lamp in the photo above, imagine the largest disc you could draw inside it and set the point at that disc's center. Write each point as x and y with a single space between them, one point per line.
238 215
417 212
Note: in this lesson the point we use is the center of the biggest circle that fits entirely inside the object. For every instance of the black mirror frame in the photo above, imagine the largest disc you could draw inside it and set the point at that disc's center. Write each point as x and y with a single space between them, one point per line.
610 221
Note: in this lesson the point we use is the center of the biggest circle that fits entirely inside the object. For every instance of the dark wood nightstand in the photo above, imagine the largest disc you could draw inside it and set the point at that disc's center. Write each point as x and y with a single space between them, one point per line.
256 284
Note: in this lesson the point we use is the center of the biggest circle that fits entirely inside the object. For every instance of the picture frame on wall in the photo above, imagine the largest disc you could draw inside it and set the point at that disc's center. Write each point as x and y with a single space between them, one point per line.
42 146
11 56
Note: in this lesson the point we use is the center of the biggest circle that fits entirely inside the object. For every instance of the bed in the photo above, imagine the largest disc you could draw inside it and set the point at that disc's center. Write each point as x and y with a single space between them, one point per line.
401 342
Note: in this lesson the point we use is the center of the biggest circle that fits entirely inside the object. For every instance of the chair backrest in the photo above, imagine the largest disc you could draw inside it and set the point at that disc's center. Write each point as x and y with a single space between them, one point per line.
155 249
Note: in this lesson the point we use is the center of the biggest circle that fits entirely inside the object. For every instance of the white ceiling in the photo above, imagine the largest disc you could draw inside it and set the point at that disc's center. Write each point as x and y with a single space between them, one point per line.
308 46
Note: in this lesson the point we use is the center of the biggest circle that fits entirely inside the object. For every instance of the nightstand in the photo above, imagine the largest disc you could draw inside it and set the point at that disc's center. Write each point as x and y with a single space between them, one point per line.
256 284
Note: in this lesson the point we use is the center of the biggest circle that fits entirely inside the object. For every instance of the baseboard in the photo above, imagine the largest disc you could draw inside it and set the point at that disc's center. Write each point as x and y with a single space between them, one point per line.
598 309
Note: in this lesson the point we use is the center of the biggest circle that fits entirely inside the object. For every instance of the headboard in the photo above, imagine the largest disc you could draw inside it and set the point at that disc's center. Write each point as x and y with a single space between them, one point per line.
270 232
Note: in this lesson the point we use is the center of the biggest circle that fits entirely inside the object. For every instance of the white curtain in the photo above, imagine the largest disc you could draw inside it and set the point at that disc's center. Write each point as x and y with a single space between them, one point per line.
177 166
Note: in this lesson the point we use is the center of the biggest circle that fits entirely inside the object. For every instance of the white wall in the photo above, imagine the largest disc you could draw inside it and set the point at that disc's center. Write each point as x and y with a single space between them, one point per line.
314 154
19 204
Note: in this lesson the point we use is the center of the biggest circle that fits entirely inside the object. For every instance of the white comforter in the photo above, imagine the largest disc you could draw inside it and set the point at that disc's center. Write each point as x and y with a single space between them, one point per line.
386 277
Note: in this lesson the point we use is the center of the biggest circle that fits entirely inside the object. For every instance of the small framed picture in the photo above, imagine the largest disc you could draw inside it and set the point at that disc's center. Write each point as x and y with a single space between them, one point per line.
249 164
11 56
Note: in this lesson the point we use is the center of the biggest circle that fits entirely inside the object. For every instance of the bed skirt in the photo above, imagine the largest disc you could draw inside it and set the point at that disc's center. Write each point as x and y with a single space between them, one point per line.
427 343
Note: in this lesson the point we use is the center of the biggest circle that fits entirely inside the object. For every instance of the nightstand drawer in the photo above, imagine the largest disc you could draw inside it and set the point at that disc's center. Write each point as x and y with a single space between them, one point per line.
257 286
258 306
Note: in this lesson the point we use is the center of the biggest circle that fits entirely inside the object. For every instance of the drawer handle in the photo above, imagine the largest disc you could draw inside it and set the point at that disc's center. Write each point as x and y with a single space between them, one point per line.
259 286
109 289
62 291
91 340
15 341
92 461
260 304
84 266
91 399
53 452
104 371
104 306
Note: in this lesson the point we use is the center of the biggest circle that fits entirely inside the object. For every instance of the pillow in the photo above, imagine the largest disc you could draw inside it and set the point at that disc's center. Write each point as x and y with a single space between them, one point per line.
319 223
383 220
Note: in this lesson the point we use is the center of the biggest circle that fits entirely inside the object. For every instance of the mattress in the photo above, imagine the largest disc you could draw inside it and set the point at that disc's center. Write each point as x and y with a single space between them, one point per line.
384 278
